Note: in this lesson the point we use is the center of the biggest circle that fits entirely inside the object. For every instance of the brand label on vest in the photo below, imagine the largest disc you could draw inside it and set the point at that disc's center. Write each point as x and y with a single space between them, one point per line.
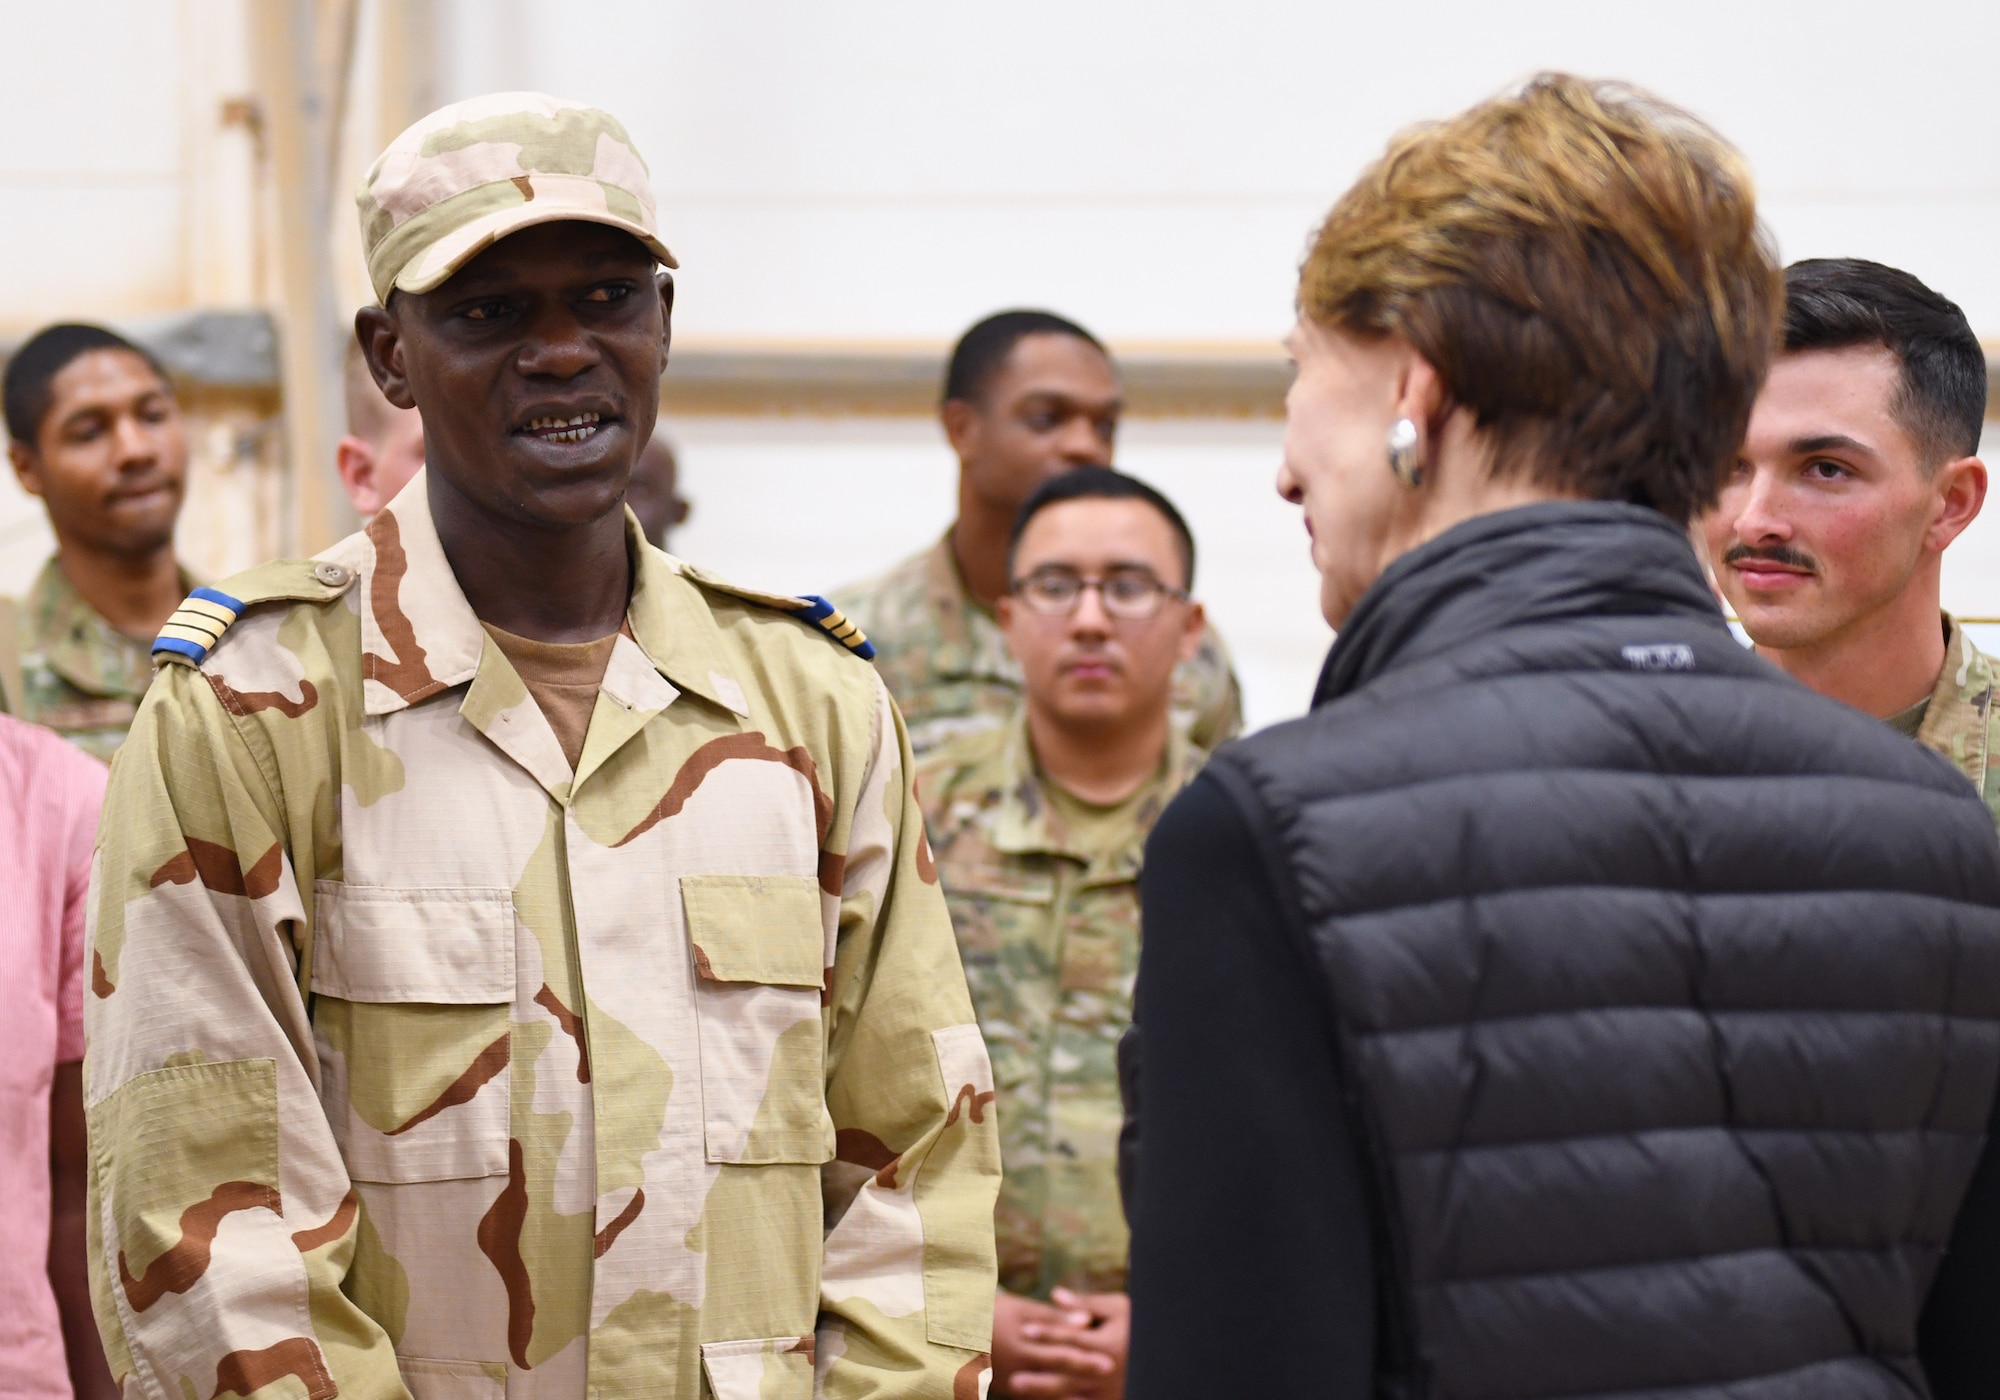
1661 656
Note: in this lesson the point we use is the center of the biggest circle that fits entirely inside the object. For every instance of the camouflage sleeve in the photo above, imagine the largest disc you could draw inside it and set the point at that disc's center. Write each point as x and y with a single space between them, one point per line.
221 1219
907 1284
1206 696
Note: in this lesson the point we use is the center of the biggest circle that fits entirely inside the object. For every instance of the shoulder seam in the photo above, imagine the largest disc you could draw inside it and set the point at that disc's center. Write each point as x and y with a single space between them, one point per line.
199 623
264 759
834 623
809 608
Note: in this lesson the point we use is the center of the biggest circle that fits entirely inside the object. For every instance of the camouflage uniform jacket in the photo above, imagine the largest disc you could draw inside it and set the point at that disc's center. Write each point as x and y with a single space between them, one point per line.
1959 721
419 1064
1050 939
947 664
80 676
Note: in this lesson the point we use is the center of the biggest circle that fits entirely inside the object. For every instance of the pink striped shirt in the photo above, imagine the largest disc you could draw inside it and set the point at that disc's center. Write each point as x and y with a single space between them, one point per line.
49 796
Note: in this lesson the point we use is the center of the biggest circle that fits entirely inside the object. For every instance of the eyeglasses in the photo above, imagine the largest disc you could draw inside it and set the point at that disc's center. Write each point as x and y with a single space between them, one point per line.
1131 594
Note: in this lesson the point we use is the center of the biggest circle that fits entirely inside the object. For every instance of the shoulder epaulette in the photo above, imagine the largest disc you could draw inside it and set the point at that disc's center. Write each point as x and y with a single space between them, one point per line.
808 607
823 614
199 622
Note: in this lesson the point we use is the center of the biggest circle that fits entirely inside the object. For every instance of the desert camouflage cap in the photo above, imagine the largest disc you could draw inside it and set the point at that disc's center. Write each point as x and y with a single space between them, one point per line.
469 174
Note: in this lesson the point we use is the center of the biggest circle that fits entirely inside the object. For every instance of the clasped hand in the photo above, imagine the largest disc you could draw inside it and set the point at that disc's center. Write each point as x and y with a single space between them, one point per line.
1073 1347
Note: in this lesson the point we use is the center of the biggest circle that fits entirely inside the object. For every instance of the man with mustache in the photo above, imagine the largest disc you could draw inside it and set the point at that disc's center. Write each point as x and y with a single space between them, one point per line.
93 430
517 967
1859 469
1039 827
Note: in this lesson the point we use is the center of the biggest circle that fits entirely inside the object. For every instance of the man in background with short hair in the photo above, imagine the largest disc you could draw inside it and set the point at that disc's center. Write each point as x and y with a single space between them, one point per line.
1859 469
1027 395
94 431
1038 828
384 446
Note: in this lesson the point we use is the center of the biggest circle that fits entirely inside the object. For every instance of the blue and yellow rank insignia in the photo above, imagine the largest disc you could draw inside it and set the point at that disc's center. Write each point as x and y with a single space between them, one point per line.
826 616
198 624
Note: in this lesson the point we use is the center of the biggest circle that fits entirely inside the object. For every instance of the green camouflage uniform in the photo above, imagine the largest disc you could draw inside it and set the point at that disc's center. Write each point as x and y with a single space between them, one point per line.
80 676
1959 722
421 1064
1050 938
946 663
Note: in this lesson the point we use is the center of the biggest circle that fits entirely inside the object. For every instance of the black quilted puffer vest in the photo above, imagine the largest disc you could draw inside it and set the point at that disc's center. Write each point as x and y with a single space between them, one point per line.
1667 992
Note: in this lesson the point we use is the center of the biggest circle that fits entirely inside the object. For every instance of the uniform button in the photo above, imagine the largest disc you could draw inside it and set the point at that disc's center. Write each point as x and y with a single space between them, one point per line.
329 573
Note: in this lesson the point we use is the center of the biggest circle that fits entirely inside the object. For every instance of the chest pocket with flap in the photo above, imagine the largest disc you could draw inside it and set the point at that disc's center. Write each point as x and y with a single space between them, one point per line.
993 906
413 1000
759 948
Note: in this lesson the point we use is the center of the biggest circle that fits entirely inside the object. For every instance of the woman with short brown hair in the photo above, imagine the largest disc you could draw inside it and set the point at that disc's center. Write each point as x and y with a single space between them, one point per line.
1569 1005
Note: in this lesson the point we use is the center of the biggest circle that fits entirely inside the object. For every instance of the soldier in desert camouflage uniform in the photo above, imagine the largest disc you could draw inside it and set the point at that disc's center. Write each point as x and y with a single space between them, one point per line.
1857 472
94 431
451 1037
1039 827
1026 395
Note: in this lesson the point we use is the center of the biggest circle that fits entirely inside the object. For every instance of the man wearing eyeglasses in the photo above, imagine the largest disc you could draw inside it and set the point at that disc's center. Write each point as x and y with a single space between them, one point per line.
1038 829
1027 395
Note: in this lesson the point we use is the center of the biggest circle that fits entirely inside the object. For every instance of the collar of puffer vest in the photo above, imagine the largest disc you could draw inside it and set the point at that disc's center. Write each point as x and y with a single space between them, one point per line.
1517 568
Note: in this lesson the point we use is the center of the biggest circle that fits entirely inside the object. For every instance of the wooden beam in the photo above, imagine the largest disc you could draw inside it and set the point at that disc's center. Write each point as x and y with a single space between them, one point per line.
302 53
903 381
407 56
1191 380
232 350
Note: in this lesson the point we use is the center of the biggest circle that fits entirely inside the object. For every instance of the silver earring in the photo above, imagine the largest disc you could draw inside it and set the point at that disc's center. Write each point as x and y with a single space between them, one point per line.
1403 453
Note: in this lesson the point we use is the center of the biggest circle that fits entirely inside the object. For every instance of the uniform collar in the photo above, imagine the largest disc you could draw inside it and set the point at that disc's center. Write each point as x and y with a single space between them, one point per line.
945 592
1955 724
676 629
966 640
1549 562
419 635
79 645
1026 823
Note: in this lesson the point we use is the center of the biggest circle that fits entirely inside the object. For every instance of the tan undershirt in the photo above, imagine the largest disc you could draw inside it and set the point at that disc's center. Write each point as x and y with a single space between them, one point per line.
1095 829
564 678
1910 721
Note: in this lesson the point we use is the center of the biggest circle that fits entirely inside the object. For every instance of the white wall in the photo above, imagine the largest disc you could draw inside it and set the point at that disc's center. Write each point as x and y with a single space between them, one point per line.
891 168
123 191
894 170
808 505
90 158
861 170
